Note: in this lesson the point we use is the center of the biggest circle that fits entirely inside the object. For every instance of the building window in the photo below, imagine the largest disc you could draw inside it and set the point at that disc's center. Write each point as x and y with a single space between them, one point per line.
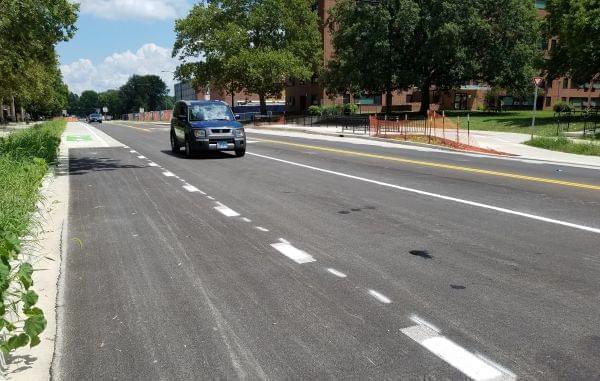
314 99
565 83
346 99
409 98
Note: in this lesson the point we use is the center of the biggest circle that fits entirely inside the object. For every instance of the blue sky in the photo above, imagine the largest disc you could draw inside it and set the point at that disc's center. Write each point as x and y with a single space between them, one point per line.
119 38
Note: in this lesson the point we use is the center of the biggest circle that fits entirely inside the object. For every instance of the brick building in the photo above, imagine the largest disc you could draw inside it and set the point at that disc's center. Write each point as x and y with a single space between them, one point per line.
300 95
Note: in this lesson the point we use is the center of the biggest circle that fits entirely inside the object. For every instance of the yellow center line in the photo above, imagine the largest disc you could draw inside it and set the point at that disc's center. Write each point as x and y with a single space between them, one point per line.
436 165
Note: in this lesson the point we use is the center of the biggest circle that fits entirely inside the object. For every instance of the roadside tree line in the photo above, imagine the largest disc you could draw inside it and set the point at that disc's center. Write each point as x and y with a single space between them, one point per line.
140 91
382 46
30 78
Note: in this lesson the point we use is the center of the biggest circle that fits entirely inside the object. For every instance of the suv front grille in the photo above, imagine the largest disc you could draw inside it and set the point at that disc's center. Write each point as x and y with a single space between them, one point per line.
220 130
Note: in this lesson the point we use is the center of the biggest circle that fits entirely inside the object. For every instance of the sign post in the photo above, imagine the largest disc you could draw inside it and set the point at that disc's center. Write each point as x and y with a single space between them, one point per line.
537 81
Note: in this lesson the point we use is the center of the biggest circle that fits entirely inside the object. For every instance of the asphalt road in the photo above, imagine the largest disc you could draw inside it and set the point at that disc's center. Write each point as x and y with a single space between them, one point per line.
318 259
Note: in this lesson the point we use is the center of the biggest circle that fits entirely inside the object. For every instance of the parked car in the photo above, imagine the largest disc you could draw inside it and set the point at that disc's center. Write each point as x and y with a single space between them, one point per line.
206 126
98 118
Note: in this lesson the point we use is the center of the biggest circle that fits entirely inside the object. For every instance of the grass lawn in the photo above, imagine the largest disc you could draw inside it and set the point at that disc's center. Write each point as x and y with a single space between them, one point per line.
512 121
565 145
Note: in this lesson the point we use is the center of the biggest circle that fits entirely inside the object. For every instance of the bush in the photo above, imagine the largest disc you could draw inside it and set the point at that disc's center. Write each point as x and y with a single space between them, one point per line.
332 110
350 108
24 160
562 107
315 110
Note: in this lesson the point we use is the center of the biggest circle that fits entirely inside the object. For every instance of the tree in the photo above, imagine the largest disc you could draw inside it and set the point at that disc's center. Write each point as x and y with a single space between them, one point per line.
405 43
29 31
576 23
146 91
246 44
73 104
88 102
112 99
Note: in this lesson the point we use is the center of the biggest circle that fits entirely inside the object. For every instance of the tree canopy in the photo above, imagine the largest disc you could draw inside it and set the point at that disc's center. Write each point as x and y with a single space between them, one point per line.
388 45
29 31
247 44
576 24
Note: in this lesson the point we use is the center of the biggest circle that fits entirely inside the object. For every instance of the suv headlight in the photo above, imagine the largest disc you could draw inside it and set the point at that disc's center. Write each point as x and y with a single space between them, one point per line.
200 133
238 132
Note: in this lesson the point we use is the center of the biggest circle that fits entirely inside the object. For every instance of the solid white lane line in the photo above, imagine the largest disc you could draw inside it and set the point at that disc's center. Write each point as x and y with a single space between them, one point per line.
153 164
293 253
439 196
141 157
379 296
337 273
168 174
226 211
262 229
474 366
246 219
191 188
91 130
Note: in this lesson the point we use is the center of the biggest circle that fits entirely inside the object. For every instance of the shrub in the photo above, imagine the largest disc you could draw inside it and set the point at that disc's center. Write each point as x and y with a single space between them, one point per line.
562 107
350 108
315 110
332 110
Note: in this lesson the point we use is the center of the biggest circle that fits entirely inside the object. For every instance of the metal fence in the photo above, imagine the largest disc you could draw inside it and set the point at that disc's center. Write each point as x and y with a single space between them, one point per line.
590 118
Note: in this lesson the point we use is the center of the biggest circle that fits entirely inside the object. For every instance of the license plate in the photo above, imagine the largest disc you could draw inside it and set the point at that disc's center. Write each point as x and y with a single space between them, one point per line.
222 145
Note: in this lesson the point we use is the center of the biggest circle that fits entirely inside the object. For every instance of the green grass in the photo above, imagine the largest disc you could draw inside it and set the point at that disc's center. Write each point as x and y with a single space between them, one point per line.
565 145
512 121
24 160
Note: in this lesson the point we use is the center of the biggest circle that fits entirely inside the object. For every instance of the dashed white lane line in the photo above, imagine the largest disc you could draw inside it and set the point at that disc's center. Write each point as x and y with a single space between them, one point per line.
153 164
472 365
262 229
168 174
226 211
141 157
438 196
293 253
338 274
282 240
246 219
133 151
379 296
191 188
210 197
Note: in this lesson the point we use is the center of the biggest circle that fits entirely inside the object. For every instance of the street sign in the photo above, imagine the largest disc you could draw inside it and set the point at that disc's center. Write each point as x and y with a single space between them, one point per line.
537 81
104 109
141 110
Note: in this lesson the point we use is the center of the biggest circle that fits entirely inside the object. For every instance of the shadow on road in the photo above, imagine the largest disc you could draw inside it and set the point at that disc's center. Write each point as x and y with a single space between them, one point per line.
83 165
218 155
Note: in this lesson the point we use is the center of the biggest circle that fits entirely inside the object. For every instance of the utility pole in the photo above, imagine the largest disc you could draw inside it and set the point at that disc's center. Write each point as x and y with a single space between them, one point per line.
537 81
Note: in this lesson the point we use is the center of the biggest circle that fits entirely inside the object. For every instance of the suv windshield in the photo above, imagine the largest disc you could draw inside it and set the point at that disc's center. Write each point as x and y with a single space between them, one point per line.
210 112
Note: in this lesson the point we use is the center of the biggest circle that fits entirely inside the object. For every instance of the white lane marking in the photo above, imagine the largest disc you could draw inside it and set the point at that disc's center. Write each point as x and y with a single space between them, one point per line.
191 188
293 253
153 164
337 273
210 197
251 141
262 229
169 174
133 151
226 211
246 219
182 180
440 196
283 240
472 365
125 146
95 135
379 296
141 157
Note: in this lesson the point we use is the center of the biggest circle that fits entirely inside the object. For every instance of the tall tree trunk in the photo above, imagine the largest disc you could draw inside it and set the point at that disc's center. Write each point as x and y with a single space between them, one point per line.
263 103
425 98
388 99
1 110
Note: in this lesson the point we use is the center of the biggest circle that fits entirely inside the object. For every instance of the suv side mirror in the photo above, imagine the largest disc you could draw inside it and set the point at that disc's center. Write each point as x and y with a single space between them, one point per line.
237 116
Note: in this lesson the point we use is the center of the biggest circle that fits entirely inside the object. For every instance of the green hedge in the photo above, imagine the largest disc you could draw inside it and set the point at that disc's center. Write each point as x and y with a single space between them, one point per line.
24 160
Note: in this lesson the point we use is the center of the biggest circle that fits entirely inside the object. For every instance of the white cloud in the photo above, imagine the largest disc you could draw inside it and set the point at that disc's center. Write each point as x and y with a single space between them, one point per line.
139 9
116 69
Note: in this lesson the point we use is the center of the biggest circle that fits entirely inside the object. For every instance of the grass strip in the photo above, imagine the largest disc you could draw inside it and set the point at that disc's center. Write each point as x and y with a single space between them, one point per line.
563 144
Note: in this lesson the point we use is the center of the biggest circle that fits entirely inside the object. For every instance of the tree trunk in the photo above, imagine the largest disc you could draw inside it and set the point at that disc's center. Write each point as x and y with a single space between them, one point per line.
425 98
1 110
263 104
388 100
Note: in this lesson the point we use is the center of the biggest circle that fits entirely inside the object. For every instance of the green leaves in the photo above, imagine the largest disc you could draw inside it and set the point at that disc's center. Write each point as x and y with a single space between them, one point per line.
25 272
29 299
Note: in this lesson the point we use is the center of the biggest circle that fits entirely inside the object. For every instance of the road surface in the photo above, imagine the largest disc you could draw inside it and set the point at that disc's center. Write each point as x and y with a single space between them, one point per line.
321 259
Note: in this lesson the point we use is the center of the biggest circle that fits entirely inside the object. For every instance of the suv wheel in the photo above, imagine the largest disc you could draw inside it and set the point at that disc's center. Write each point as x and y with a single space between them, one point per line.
174 145
188 149
240 152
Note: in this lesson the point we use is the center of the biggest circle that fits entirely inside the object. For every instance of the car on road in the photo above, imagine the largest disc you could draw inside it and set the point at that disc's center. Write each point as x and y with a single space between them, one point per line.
97 118
206 126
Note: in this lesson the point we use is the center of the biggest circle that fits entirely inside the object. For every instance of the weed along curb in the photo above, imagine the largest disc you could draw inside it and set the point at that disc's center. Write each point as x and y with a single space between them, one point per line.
33 211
